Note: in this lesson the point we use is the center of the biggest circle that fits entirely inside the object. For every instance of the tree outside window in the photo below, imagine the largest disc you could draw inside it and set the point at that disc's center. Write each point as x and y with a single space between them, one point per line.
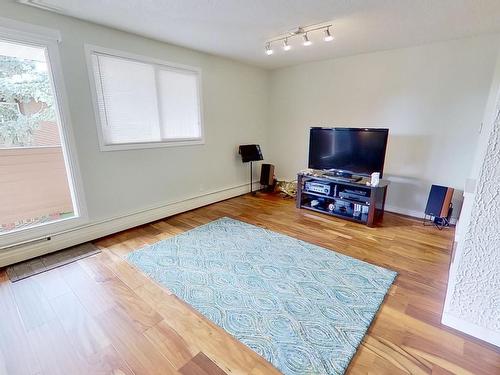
26 100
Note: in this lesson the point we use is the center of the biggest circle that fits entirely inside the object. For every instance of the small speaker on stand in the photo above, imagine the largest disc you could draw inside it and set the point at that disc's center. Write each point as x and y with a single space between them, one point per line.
439 206
267 176
249 154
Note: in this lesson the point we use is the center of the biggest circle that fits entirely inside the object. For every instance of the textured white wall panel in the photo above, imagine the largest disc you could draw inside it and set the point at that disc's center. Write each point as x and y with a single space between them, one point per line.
476 294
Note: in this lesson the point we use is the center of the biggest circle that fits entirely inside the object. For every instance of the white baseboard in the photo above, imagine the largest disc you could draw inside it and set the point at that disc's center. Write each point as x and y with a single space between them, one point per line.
493 337
404 211
109 226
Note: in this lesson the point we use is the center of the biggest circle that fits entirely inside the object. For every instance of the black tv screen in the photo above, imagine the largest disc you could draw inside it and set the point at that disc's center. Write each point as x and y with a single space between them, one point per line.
353 150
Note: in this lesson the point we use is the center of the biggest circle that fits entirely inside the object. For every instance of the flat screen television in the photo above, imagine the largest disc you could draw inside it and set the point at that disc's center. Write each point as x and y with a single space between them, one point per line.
358 151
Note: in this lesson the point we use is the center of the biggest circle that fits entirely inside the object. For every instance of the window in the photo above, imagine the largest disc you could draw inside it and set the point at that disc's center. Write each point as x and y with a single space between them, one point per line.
39 181
143 102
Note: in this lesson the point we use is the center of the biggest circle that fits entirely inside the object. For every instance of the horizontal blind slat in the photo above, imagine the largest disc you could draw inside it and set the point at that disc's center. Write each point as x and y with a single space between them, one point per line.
179 104
127 100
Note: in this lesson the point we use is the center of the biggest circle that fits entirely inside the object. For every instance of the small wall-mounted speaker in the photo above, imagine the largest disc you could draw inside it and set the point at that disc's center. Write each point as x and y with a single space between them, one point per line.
267 174
438 204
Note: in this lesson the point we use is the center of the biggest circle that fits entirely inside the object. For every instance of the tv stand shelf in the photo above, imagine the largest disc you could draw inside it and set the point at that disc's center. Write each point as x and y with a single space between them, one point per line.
353 201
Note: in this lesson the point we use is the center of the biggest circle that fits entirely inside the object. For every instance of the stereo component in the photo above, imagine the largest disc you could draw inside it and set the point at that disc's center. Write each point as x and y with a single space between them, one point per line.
317 187
363 193
343 207
355 197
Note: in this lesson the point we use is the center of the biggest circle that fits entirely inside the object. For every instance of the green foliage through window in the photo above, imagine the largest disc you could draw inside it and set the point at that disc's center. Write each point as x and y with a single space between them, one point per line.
23 82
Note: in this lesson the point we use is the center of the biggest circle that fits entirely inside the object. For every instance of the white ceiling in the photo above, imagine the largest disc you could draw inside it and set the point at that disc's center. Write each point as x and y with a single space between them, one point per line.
238 29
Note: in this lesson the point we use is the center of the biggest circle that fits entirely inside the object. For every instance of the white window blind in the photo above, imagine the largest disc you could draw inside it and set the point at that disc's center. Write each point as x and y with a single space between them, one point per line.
146 103
179 105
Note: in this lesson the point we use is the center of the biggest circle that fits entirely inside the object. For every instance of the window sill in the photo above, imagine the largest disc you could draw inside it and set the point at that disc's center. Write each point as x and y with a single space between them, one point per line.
40 232
144 145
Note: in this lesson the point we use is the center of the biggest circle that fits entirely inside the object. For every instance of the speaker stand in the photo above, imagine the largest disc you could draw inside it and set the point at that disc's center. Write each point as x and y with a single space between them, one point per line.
438 222
251 179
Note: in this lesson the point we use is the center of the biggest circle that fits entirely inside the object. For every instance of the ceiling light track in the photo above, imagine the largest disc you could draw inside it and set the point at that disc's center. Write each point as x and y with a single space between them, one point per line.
301 32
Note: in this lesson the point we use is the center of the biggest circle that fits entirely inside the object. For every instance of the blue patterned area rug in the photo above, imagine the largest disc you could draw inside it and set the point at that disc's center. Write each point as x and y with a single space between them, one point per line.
302 307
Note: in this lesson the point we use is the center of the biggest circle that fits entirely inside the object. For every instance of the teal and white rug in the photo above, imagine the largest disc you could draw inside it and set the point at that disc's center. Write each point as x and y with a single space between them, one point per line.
302 307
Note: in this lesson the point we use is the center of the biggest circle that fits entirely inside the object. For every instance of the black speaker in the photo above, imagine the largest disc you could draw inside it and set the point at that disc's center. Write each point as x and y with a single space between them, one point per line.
439 202
250 153
267 174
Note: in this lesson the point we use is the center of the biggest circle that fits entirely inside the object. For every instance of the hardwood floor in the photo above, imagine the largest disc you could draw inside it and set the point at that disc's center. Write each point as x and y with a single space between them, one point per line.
101 316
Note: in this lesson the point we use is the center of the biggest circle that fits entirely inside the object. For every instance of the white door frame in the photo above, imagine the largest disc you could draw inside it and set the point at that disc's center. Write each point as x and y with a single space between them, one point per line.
49 39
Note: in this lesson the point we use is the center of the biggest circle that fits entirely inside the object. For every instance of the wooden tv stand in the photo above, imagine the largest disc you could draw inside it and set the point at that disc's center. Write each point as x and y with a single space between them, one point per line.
366 206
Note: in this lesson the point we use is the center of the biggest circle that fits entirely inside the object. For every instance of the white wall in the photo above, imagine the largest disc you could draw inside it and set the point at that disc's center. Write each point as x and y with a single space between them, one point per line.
431 98
473 295
235 100
473 299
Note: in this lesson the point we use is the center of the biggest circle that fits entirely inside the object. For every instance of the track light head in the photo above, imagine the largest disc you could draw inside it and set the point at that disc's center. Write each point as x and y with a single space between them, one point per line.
286 46
300 32
328 36
306 42
269 50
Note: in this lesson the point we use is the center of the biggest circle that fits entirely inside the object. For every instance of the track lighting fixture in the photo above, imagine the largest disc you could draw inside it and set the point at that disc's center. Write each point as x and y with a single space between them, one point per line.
303 32
286 46
269 50
328 37
307 42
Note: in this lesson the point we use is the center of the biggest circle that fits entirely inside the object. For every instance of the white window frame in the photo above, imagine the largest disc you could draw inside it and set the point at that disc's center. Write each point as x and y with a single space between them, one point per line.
158 65
49 39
